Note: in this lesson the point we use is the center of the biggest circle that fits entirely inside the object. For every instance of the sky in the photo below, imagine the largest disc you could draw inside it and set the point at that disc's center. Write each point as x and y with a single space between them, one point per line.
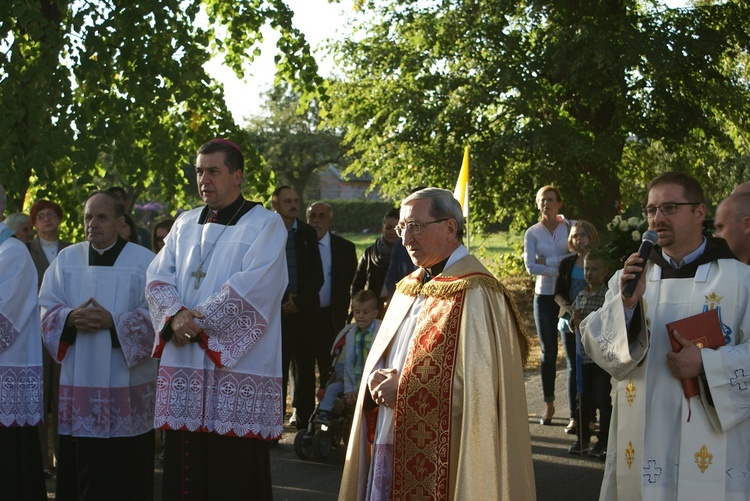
319 20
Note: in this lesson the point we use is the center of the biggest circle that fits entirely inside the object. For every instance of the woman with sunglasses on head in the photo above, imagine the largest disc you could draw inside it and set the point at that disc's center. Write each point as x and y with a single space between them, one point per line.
545 246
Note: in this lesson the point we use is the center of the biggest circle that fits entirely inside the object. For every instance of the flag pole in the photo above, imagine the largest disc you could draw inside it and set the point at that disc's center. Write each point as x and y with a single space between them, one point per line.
461 193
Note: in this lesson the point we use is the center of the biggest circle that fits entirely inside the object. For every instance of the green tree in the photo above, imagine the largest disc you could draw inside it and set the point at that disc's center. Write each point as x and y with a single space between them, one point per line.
103 92
292 139
593 96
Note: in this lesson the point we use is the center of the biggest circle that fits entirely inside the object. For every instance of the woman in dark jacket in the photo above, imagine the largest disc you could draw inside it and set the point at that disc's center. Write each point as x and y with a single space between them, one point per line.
570 281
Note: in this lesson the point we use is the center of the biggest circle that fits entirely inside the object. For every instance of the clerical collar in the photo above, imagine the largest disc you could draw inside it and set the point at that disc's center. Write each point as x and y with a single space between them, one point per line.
434 270
689 258
711 250
230 214
108 256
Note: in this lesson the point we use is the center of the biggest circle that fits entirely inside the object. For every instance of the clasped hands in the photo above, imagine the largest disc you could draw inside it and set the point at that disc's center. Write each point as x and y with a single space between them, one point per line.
90 317
184 327
383 386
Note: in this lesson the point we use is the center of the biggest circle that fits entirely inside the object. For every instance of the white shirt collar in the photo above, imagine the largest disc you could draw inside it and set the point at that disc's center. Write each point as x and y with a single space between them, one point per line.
326 240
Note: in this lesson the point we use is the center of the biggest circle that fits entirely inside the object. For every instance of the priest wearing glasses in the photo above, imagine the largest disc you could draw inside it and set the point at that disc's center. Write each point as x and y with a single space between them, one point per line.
441 412
215 295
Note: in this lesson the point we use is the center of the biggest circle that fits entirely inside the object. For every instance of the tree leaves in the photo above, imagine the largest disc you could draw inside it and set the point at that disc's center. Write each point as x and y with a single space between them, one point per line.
107 93
592 96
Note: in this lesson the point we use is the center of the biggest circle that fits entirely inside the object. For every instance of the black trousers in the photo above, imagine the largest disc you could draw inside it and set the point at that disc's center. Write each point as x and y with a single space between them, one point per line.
120 468
323 333
208 467
297 348
21 472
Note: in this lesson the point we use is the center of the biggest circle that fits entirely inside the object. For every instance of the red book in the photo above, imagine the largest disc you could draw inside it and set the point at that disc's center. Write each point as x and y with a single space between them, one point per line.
703 330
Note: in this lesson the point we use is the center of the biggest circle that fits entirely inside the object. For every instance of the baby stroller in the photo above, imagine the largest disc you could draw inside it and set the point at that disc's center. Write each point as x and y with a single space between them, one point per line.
320 437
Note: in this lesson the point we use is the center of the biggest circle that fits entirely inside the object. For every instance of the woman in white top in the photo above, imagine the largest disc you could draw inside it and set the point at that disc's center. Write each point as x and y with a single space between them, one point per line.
545 245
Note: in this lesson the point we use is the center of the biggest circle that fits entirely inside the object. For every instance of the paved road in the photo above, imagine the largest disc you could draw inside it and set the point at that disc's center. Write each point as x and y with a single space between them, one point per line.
559 475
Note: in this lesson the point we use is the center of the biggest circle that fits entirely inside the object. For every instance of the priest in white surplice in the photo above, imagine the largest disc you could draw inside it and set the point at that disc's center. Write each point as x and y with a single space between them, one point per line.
21 402
215 294
662 447
96 323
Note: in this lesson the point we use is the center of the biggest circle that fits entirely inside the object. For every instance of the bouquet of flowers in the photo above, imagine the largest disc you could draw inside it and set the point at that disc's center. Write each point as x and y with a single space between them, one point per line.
623 236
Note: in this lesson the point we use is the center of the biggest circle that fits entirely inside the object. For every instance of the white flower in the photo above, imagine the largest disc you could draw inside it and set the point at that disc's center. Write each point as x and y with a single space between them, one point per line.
624 226
634 222
636 235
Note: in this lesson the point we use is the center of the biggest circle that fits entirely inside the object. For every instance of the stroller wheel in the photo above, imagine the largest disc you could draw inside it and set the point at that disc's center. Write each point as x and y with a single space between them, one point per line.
302 444
322 443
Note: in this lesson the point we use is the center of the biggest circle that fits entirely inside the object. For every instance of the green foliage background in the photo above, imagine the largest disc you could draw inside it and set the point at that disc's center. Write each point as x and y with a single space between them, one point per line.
594 96
104 93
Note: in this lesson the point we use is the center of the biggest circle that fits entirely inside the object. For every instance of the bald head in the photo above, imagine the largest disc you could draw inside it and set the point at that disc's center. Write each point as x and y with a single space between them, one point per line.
741 188
732 223
320 217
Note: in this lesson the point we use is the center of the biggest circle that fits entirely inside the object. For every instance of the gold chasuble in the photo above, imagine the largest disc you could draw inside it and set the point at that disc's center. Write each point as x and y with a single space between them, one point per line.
460 420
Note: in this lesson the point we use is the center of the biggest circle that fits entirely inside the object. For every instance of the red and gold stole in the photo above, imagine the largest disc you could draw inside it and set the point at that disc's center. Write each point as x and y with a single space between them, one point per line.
421 439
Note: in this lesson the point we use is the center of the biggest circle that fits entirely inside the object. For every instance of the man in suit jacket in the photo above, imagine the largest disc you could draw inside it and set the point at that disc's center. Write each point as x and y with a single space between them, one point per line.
46 217
301 303
339 258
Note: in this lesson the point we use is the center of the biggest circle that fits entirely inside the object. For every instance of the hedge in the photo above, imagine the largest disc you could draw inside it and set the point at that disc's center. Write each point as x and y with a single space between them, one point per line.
358 215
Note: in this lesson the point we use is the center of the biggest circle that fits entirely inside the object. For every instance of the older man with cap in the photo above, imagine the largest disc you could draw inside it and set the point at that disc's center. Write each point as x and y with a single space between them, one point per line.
441 412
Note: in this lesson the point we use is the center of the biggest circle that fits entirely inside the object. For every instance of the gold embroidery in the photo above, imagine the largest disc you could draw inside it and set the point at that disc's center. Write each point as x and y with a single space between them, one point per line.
629 454
713 300
703 458
446 286
630 392
422 420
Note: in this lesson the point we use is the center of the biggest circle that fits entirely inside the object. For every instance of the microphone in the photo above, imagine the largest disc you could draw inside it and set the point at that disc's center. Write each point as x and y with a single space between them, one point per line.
647 243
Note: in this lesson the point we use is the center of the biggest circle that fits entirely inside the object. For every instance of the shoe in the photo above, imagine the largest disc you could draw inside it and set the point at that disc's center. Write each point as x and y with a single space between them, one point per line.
579 448
572 428
546 418
599 451
323 418
293 419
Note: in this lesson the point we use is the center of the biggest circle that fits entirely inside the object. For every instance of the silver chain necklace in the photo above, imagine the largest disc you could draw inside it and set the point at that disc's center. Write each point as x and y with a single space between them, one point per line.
199 273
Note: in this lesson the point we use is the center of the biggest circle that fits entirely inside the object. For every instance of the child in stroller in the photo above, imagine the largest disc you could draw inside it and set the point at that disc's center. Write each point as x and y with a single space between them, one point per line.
329 422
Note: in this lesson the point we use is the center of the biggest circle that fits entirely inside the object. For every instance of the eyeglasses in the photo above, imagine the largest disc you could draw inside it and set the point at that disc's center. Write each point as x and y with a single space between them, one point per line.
414 228
666 209
43 216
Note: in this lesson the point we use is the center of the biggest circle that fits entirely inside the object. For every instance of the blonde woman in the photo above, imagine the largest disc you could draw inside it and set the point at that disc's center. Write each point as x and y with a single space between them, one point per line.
545 246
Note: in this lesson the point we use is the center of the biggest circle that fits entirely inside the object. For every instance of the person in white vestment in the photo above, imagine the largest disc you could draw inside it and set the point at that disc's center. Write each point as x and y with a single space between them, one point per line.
21 399
215 292
95 323
663 446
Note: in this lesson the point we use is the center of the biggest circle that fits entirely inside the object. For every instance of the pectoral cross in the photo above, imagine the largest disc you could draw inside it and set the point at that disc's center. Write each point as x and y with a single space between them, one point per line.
198 274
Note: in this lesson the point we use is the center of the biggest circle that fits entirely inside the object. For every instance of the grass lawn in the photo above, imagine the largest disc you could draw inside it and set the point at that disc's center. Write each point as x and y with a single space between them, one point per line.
480 245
